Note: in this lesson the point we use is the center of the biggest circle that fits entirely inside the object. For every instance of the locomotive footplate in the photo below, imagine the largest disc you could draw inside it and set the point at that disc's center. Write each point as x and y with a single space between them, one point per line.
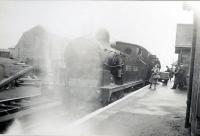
107 91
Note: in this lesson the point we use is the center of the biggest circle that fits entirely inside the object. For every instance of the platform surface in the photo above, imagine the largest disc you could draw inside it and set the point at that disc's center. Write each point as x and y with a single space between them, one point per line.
149 112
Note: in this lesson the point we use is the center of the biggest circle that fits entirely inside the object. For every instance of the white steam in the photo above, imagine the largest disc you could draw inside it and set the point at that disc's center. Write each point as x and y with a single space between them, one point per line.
72 76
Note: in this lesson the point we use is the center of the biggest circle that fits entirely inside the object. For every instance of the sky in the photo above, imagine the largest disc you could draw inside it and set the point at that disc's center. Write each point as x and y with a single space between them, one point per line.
151 24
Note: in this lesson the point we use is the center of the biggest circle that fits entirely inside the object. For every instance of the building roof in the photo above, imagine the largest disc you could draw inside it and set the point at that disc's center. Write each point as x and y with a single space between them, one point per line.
131 44
4 50
184 35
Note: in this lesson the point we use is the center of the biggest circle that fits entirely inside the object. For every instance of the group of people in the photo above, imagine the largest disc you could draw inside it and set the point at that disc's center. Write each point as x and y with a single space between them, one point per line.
180 77
179 73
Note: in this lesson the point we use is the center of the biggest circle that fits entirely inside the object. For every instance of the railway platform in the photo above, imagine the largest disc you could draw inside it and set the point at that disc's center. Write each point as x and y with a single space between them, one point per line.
146 112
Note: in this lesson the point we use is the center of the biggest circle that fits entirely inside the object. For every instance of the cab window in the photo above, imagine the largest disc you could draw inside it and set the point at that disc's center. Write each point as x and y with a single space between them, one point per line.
128 50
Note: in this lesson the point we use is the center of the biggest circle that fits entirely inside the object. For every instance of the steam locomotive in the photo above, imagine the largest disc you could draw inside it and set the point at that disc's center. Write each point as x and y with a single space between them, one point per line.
98 70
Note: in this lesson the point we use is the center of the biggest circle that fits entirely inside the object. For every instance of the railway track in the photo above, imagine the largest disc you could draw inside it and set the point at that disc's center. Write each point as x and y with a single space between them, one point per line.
18 96
12 102
23 107
10 107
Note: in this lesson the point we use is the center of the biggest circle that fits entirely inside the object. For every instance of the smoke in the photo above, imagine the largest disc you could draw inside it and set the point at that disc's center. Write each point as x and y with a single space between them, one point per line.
50 108
71 79
71 76
83 68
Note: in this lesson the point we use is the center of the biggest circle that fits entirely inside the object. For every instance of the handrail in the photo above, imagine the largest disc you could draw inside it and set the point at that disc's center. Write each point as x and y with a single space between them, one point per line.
15 76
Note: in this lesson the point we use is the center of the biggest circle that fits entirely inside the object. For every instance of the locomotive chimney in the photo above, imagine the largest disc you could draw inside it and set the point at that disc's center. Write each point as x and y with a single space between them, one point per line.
103 36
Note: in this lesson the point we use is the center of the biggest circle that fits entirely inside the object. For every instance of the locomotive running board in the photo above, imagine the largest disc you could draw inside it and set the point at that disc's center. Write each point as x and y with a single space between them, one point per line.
107 91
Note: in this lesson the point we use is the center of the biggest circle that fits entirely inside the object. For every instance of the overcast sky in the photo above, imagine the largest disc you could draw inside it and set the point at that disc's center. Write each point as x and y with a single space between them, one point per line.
149 24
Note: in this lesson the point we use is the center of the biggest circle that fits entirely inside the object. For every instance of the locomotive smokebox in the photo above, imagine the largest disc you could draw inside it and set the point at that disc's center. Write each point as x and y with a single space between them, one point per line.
83 74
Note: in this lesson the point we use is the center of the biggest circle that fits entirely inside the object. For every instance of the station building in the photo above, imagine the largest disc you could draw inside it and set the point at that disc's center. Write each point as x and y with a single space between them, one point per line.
37 46
4 53
183 45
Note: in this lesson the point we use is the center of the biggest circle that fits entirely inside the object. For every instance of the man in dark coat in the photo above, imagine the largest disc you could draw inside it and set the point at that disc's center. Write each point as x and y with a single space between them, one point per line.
177 74
170 72
182 82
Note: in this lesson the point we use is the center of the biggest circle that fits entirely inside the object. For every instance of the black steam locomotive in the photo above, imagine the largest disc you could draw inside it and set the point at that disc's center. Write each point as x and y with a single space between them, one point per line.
98 70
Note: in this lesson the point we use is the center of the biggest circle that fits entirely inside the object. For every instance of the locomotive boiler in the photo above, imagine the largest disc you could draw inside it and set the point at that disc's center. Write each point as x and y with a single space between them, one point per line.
97 71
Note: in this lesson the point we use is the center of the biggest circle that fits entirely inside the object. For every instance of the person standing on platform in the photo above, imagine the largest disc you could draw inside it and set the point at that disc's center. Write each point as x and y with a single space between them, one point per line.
166 78
182 82
171 74
154 76
168 69
177 74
